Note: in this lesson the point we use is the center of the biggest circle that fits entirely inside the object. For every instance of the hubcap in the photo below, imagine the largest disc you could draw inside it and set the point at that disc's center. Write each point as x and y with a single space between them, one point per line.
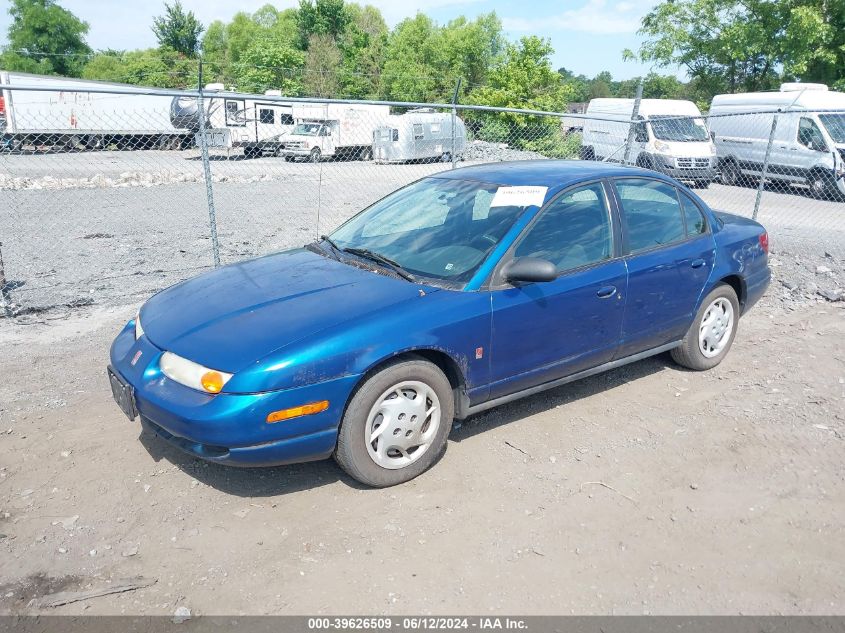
402 424
716 327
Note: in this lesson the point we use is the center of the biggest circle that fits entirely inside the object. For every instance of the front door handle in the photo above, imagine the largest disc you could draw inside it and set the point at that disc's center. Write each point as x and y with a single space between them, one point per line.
607 291
697 263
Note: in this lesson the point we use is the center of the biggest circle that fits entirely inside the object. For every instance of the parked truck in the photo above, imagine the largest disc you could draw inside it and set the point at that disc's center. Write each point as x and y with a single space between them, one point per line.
338 130
67 116
808 145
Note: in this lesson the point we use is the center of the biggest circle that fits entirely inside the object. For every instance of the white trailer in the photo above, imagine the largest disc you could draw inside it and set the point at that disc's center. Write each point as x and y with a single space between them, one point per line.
807 144
68 117
421 134
341 130
236 121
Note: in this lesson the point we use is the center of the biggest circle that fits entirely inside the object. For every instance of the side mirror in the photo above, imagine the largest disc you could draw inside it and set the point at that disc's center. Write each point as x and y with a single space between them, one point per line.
526 269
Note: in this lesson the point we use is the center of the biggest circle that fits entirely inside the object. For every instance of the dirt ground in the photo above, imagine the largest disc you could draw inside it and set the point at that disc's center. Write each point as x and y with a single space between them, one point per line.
645 490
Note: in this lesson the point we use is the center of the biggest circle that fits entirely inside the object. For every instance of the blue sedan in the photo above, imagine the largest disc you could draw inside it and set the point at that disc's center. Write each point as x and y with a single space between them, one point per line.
454 294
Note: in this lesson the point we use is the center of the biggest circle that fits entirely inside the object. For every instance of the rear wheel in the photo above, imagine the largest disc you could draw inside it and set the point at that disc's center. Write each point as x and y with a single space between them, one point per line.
315 155
396 424
712 332
731 175
366 154
587 153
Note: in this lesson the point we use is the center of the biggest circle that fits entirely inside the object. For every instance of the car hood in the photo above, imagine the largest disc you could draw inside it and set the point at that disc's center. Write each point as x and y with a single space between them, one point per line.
234 316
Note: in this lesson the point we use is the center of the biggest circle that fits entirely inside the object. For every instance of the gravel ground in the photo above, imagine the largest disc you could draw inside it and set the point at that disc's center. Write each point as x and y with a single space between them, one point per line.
645 490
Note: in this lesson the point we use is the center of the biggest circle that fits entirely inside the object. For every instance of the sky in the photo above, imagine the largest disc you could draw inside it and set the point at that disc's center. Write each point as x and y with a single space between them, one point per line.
588 35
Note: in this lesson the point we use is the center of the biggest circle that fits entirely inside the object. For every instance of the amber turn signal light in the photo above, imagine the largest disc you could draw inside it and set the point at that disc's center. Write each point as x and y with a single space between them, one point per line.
212 381
295 412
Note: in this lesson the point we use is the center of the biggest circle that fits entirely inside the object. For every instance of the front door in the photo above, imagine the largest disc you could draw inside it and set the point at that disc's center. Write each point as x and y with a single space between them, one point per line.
547 330
669 252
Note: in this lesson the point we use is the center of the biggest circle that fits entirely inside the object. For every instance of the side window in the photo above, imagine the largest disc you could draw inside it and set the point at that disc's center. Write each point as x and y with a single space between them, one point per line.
267 116
285 119
573 231
652 213
696 224
235 113
810 135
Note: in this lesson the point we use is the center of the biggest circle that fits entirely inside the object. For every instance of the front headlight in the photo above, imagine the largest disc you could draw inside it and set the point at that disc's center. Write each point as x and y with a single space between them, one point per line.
660 146
187 372
139 331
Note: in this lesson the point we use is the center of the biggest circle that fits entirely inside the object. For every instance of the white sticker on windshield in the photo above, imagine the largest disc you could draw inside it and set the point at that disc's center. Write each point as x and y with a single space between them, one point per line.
524 196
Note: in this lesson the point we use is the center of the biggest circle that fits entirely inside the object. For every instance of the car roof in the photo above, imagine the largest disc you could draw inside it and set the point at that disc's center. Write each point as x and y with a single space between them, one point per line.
554 174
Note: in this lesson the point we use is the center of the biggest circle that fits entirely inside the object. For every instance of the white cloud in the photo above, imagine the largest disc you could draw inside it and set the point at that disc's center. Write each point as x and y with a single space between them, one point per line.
596 16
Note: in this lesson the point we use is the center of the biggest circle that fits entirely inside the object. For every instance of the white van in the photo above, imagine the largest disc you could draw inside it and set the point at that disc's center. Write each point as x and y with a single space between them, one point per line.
671 137
809 142
339 130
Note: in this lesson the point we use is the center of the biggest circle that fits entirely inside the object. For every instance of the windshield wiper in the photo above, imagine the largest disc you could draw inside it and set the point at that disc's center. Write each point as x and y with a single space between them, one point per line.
381 259
335 248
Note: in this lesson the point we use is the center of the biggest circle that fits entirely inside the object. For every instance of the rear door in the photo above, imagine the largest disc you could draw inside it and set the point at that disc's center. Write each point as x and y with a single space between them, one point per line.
543 331
669 252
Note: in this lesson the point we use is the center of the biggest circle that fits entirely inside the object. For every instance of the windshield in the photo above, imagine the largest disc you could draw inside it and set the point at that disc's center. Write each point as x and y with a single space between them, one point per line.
684 130
437 227
308 129
835 125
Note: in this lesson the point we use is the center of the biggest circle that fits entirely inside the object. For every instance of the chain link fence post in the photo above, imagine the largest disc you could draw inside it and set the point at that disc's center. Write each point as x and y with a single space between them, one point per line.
762 184
206 168
632 130
454 121
5 297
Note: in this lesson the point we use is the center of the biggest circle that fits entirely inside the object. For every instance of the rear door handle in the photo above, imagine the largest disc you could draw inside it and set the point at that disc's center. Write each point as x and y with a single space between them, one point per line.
697 263
607 291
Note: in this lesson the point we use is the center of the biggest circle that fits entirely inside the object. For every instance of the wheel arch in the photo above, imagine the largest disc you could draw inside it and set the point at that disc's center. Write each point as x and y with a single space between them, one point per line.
448 364
738 284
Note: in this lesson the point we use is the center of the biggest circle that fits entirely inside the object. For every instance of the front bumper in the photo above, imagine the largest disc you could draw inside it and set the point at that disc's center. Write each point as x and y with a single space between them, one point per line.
689 173
229 428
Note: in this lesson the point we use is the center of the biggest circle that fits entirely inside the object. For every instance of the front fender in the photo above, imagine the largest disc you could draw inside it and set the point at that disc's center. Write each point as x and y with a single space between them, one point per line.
456 323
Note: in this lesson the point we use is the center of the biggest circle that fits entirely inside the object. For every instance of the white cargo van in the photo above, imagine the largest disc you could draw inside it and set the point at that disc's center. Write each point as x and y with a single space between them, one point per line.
333 129
670 137
809 141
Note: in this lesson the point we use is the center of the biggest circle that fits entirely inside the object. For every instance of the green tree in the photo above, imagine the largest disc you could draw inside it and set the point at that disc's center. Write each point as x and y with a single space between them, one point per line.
270 65
322 63
45 38
106 66
178 30
524 78
726 45
321 17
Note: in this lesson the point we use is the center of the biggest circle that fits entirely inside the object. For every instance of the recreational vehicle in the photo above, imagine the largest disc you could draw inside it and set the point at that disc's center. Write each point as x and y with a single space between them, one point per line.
669 136
236 121
808 146
419 135
59 112
339 130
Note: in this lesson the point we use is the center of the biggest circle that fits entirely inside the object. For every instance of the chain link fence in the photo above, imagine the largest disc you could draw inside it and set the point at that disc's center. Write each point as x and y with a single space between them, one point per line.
108 196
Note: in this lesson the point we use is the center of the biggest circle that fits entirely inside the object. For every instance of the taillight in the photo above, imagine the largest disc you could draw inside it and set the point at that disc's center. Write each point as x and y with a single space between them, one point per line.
2 105
764 242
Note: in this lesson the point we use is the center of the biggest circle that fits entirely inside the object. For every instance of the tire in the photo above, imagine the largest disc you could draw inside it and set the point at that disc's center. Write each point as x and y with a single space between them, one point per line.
366 154
701 184
731 175
587 153
690 353
363 416
315 155
822 185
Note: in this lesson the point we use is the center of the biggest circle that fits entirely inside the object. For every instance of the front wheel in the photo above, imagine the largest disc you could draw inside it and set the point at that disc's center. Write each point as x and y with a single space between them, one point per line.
396 424
822 184
315 155
711 334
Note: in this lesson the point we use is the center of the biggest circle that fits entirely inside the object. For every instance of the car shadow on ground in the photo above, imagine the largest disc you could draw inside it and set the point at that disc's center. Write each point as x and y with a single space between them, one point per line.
281 480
